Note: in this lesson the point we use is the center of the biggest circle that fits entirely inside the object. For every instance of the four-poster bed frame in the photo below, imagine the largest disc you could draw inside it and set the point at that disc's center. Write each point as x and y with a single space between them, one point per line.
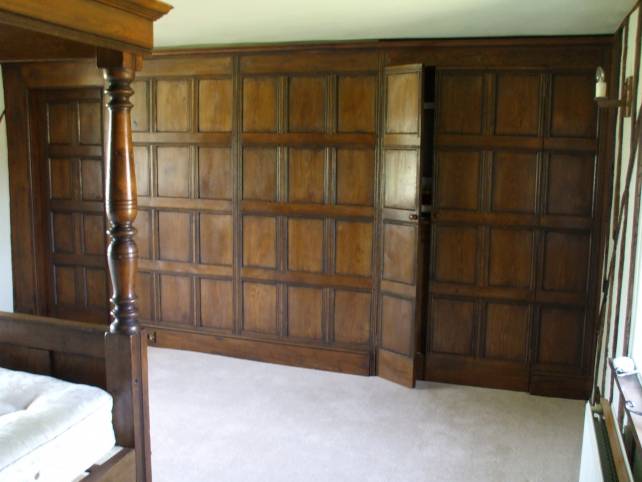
116 33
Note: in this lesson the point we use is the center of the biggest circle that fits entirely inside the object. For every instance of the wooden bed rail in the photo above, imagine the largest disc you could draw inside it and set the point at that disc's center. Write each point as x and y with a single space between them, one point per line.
68 350
52 334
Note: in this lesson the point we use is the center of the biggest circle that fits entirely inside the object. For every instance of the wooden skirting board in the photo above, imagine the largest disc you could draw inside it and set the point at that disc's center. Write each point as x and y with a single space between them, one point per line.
504 375
271 351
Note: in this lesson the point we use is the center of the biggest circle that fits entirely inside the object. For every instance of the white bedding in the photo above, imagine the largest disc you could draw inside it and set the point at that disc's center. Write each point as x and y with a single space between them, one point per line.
51 430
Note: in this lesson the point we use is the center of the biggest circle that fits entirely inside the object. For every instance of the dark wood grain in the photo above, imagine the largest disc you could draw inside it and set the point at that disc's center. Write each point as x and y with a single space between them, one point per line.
226 139
514 220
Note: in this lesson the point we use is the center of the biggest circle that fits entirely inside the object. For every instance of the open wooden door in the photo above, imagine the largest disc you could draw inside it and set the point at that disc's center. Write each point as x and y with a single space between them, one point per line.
400 206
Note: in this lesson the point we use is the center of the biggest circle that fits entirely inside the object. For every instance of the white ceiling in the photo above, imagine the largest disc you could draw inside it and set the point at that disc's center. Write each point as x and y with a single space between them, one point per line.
216 22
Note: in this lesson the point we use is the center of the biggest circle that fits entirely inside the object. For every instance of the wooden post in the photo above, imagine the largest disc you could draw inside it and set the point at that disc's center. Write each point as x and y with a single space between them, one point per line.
121 202
126 360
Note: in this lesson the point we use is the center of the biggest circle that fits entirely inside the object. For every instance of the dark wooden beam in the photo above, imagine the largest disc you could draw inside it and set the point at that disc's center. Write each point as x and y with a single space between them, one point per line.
20 45
116 24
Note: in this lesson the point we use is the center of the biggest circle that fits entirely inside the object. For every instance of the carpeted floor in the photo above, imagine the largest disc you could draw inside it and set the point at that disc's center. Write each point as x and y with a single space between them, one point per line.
222 419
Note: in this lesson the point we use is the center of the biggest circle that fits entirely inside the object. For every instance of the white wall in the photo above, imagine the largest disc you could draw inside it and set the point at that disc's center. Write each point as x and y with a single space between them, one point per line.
6 279
617 331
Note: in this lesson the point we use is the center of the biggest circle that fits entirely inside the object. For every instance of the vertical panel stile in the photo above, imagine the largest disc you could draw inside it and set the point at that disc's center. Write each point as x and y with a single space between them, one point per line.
237 180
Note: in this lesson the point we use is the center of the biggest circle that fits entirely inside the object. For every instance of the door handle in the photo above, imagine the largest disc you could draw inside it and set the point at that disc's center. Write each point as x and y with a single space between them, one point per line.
413 217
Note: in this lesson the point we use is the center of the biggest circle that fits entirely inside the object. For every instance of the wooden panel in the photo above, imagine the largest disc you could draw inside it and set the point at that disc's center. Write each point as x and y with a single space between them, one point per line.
259 308
455 250
94 234
293 277
78 368
305 245
174 170
511 258
303 139
514 182
63 233
310 60
175 236
143 225
566 260
560 336
517 104
259 104
570 184
61 123
185 204
397 324
354 248
140 111
32 360
217 65
305 313
457 185
65 281
217 307
215 105
460 103
143 173
453 326
399 252
400 179
306 104
507 328
306 175
90 123
259 241
403 91
91 180
351 317
483 372
355 176
144 291
214 173
173 105
396 368
61 179
176 299
306 209
259 173
216 239
66 151
96 288
356 103
572 106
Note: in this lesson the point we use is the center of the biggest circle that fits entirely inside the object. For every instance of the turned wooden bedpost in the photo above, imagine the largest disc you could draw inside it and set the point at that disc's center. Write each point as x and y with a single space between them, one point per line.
121 202
126 357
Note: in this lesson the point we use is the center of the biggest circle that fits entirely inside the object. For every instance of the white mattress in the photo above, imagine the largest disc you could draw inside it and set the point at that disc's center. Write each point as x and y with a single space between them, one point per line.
51 430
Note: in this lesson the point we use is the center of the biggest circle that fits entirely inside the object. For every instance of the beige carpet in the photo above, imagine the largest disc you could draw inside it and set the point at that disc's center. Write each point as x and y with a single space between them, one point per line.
221 419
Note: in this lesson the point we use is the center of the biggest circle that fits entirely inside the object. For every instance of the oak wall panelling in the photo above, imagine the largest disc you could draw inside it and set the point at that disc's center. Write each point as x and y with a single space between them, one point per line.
264 204
514 228
69 178
307 164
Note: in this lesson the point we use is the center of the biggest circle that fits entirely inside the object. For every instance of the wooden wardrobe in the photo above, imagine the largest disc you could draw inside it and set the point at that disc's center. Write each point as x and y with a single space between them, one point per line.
419 209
